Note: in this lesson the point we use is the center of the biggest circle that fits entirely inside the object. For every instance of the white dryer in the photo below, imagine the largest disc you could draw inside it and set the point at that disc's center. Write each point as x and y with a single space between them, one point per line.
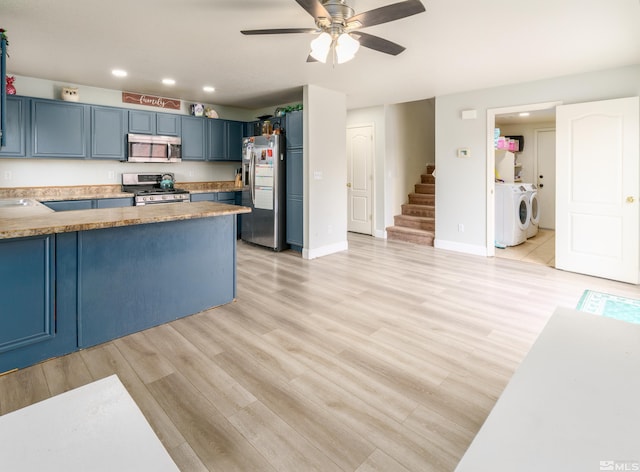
512 214
534 209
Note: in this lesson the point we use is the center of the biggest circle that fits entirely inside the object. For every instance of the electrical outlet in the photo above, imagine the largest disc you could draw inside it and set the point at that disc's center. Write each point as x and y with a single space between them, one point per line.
460 228
8 175
111 175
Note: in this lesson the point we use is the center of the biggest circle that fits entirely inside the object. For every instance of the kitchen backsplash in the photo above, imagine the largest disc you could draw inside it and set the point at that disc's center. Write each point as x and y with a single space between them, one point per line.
46 172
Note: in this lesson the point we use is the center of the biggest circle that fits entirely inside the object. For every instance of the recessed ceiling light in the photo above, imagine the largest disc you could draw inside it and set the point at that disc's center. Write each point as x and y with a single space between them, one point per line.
119 72
168 81
208 88
526 113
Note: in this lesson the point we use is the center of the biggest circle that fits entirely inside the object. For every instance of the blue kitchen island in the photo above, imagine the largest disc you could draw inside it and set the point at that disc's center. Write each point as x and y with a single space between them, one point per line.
71 280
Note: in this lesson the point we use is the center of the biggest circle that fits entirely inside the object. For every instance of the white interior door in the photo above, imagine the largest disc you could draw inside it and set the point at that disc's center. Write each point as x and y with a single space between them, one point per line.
359 179
598 175
545 176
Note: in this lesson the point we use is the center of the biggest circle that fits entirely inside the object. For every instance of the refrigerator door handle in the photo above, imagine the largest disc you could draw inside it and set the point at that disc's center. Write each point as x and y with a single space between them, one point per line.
252 175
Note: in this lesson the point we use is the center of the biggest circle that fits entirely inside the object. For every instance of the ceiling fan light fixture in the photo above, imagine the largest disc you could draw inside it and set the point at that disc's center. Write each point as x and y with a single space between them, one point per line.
346 48
320 47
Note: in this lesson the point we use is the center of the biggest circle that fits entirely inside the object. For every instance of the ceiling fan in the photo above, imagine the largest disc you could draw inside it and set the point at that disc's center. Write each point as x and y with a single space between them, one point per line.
338 27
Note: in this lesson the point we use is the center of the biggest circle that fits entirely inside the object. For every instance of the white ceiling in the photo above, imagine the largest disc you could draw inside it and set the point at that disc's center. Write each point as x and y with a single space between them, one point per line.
456 45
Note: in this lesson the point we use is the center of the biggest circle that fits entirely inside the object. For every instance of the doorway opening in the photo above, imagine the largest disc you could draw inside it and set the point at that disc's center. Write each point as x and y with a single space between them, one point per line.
534 165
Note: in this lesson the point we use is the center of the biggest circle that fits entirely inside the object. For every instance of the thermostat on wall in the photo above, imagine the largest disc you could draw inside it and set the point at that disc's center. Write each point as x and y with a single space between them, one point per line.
464 152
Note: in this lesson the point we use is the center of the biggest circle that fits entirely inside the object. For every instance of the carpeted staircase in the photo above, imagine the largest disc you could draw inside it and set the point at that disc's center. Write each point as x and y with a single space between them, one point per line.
417 222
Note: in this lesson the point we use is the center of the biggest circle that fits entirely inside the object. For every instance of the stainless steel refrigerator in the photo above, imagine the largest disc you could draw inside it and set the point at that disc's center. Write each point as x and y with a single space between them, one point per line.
263 179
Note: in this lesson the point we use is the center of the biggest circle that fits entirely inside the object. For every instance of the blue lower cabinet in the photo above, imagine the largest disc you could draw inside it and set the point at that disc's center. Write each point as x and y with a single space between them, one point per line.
68 205
113 202
69 291
114 300
31 327
295 198
204 197
227 197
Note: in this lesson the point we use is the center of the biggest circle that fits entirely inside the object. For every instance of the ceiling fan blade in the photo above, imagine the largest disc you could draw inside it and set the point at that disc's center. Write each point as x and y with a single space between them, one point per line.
378 44
280 31
395 11
315 8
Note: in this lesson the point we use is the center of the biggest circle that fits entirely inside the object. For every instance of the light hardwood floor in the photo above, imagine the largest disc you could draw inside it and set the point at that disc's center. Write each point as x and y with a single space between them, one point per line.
386 357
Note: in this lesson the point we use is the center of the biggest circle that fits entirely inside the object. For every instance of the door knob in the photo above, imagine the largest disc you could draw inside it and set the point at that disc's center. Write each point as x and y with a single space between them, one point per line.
349 185
542 176
541 185
630 199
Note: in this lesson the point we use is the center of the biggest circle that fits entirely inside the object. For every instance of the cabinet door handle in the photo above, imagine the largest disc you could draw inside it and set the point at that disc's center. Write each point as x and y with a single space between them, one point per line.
349 185
630 199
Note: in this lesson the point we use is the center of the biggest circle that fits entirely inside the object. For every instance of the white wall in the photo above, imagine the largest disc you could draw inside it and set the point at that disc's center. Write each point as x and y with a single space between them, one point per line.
42 88
44 172
527 156
325 170
461 184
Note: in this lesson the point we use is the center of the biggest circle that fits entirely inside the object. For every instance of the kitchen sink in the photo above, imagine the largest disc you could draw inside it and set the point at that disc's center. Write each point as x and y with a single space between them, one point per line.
17 202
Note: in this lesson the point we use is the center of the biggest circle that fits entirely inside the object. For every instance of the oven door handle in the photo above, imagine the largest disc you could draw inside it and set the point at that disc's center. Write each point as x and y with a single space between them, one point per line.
169 155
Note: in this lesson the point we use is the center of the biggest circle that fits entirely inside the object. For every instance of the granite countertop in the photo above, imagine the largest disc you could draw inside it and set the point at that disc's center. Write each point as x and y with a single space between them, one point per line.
56 193
35 219
85 192
209 187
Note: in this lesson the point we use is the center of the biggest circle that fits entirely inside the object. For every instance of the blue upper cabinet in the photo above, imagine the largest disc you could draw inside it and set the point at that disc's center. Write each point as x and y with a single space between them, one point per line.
167 125
224 140
216 140
15 131
294 131
235 132
149 122
59 129
142 122
108 131
193 138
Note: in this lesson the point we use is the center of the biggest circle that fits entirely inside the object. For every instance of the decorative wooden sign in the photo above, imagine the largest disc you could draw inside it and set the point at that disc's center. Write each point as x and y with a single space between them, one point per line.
150 100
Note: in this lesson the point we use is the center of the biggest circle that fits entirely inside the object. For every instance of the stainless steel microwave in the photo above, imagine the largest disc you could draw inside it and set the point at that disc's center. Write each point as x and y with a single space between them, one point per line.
147 148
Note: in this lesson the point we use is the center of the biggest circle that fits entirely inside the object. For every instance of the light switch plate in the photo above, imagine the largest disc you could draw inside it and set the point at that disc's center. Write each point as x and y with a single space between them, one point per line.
464 152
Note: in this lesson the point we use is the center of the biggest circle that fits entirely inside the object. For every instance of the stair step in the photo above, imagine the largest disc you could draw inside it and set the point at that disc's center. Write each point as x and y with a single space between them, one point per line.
430 168
413 209
427 179
422 199
426 188
410 235
415 222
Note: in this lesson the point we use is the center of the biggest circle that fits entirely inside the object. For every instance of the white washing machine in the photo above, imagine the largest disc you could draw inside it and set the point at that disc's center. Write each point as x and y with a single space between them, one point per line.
512 214
534 209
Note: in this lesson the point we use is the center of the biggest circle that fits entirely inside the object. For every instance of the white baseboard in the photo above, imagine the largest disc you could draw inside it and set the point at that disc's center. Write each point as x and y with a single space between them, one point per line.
460 247
324 250
380 233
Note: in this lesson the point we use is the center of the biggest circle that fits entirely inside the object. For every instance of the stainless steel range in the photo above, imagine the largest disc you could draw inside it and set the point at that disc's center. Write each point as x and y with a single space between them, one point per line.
152 189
